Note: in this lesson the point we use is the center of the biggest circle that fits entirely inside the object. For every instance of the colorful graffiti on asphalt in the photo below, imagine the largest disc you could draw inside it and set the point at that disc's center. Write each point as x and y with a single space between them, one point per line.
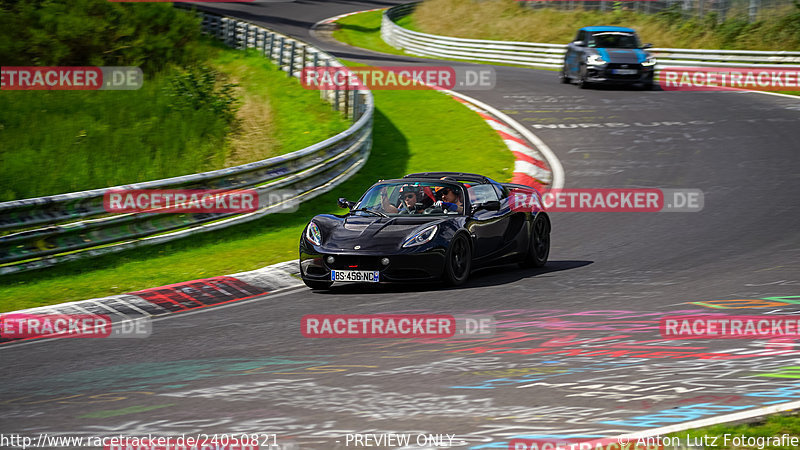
610 370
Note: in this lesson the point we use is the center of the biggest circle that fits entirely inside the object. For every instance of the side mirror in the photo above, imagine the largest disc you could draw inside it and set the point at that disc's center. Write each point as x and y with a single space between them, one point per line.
492 205
344 204
647 46
579 43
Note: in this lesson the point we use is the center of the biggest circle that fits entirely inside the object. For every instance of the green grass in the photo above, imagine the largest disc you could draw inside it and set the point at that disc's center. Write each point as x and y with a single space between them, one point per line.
413 131
364 30
775 29
278 116
776 425
83 140
90 139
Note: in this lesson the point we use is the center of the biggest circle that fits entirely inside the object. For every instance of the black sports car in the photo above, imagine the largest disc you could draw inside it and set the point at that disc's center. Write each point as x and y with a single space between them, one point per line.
424 227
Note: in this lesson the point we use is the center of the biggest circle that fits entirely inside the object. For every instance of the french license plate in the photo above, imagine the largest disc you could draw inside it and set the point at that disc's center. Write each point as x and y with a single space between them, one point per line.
354 275
624 71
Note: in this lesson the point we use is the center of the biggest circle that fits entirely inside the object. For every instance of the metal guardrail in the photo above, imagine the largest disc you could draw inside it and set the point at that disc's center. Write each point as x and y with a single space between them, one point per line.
552 55
44 231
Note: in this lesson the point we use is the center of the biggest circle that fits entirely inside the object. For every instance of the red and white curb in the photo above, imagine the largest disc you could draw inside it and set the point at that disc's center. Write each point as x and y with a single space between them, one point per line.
180 297
536 165
530 167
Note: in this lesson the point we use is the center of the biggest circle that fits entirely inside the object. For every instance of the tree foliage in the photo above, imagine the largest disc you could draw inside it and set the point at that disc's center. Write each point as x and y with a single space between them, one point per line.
95 33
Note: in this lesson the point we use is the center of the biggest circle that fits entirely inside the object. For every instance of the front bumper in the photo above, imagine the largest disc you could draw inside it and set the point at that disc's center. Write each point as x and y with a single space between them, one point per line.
606 74
425 265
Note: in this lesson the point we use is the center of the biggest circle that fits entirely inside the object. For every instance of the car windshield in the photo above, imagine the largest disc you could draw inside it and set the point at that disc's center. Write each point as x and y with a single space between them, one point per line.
405 198
614 39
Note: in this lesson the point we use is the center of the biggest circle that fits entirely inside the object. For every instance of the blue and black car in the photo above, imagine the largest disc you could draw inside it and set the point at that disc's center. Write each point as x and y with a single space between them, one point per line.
608 55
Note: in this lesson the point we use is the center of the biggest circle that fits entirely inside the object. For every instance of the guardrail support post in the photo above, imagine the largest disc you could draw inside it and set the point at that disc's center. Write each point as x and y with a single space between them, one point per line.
753 10
271 45
291 58
280 53
346 102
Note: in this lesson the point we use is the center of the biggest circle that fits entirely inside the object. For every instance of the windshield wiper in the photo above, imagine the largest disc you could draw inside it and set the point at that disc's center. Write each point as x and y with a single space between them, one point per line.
377 213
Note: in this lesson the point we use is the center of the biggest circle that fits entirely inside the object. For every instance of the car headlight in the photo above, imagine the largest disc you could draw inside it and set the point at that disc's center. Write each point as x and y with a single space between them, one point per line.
313 235
595 60
650 61
422 237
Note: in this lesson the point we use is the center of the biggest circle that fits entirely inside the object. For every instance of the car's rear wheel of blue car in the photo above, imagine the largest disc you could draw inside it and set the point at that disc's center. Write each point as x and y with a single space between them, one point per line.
458 261
318 285
539 243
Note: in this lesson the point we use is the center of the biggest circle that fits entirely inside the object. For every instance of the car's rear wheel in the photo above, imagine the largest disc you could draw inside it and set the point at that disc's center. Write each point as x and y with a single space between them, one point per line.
318 285
539 243
458 261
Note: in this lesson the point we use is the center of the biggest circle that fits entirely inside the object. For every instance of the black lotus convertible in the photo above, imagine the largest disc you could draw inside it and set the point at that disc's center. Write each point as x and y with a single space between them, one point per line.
424 227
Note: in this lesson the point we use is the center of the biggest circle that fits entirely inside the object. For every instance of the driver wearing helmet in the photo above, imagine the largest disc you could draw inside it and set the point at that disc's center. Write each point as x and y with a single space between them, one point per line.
411 197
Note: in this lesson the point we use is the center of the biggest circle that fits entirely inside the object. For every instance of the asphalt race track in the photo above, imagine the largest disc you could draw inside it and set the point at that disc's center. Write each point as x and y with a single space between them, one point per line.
577 351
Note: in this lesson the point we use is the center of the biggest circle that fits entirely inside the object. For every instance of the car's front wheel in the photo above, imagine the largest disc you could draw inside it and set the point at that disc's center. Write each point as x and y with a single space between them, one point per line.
582 83
458 261
562 76
318 285
539 243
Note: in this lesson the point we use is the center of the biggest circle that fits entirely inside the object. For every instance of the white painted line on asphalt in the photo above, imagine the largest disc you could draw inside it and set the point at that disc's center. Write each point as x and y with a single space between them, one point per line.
777 94
716 420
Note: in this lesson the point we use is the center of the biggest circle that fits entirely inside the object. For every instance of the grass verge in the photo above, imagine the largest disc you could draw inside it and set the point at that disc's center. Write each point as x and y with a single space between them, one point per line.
776 28
93 139
769 427
413 131
364 30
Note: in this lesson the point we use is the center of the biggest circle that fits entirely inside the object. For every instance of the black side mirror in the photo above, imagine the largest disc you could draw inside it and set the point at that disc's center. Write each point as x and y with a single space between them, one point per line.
492 205
647 46
344 204
579 43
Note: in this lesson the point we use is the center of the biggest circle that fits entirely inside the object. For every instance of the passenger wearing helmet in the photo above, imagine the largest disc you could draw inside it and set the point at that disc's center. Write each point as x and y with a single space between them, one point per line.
449 200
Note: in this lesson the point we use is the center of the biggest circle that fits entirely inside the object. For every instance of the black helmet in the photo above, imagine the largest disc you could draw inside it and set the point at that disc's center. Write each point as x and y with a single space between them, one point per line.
410 189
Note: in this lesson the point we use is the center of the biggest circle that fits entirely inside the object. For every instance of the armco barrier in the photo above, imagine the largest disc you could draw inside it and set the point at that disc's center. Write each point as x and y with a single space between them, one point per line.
41 232
552 55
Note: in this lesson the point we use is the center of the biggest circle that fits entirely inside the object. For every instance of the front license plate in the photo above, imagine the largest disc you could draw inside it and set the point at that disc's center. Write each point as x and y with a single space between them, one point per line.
354 275
624 71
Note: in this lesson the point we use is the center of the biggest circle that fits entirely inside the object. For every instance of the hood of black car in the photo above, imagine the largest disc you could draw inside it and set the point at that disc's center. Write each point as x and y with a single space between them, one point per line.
370 233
